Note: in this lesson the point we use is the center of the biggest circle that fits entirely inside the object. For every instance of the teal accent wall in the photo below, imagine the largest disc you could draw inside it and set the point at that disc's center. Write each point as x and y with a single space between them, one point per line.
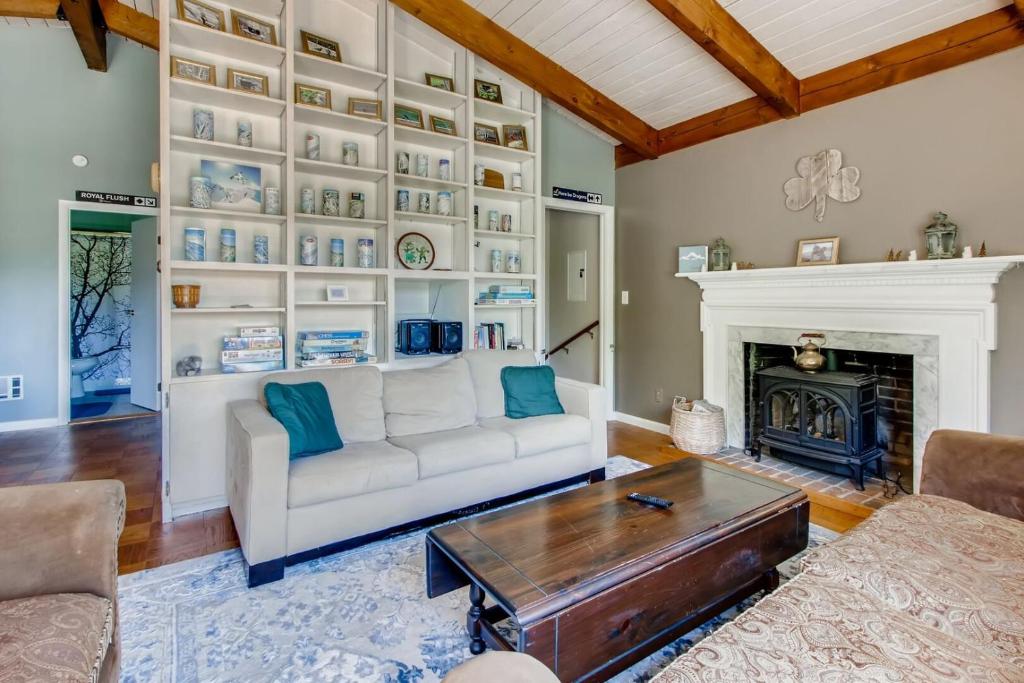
53 107
574 157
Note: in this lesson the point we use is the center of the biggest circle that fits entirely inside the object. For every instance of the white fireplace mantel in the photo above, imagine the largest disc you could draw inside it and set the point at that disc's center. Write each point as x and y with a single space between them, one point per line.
942 312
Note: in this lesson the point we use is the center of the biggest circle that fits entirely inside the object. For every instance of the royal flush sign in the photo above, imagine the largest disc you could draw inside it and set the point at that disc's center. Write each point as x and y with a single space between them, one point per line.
577 195
115 198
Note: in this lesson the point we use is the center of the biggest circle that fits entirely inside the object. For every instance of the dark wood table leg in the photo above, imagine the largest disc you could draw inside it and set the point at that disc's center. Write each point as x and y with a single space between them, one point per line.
476 612
771 579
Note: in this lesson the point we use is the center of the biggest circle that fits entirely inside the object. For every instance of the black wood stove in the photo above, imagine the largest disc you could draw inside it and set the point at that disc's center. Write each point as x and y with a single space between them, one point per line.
824 420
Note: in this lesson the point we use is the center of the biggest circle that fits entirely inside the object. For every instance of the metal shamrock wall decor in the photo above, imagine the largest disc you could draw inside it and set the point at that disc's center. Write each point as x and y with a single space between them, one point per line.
821 176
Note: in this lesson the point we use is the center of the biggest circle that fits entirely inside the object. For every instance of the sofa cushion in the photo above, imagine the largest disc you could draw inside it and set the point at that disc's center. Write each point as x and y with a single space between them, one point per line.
942 561
58 637
359 468
429 399
456 450
485 367
305 412
530 392
534 435
355 394
817 631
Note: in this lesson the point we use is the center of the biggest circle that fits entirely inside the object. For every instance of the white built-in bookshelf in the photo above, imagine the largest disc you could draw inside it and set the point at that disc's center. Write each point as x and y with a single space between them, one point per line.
386 54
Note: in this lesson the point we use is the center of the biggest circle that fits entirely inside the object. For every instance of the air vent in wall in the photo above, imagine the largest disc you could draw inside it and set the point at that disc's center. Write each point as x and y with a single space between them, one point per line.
11 387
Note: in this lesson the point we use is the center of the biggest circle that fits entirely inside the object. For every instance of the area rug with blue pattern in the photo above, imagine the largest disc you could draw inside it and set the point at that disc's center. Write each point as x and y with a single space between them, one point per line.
360 615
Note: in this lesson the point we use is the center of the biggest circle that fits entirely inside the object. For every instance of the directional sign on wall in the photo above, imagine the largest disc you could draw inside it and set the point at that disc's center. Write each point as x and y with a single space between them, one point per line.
577 195
115 198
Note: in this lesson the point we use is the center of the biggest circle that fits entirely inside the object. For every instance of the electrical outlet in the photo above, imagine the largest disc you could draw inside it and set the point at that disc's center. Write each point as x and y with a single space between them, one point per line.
659 395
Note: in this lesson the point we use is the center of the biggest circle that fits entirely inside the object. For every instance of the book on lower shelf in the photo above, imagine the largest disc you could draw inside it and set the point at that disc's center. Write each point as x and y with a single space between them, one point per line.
330 348
255 349
490 336
506 294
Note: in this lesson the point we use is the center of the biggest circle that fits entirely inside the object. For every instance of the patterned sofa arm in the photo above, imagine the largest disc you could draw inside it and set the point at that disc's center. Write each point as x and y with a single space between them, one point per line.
983 470
589 401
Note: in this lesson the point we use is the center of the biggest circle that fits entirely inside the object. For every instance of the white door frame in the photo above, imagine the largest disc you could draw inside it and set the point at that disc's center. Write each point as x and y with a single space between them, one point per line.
606 330
64 209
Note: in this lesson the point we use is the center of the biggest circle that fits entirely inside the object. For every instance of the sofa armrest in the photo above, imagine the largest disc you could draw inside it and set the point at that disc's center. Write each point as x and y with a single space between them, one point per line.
983 470
589 401
60 538
257 478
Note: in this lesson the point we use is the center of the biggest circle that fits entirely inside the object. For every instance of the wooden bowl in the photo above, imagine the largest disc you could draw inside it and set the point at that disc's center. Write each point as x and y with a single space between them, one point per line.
185 296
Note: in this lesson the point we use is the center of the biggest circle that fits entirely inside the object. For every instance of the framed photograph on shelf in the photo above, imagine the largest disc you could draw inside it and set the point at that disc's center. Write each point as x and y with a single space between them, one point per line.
440 82
408 116
234 187
312 96
368 109
318 46
515 137
485 90
693 259
254 84
822 251
485 133
255 29
337 292
196 12
193 71
442 125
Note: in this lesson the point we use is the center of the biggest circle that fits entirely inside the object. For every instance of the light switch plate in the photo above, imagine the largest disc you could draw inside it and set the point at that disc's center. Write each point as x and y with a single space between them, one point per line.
625 297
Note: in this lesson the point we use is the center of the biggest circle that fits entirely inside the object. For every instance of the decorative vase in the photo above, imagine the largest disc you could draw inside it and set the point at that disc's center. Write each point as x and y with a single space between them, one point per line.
402 163
272 201
512 261
506 222
423 165
185 296
227 245
337 252
307 201
308 251
423 202
195 244
313 146
402 200
350 153
357 205
364 251
496 260
444 203
331 199
444 169
492 219
478 174
517 182
202 124
261 249
199 192
244 133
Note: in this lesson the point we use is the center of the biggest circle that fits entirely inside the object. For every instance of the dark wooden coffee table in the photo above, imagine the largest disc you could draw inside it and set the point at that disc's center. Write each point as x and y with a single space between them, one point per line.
596 582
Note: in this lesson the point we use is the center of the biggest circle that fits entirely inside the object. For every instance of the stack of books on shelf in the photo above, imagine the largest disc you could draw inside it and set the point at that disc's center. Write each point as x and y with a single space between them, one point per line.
490 336
506 294
328 348
255 349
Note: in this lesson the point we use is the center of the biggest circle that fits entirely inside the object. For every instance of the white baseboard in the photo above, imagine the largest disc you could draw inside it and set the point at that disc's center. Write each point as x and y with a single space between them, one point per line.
191 507
641 422
19 425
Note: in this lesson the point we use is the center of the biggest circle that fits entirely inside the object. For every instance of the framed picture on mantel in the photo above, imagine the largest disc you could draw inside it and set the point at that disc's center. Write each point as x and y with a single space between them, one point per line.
693 259
822 251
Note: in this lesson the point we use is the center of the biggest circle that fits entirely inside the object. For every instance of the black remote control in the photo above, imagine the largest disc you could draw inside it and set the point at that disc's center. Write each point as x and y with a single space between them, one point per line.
651 500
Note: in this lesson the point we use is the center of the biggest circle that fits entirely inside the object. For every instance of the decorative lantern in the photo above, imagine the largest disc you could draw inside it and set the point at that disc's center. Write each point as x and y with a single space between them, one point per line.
721 255
941 237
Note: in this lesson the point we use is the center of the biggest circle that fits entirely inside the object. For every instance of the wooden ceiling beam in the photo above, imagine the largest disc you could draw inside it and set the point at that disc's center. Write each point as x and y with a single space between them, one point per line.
1020 6
477 33
709 25
29 9
130 23
87 25
973 39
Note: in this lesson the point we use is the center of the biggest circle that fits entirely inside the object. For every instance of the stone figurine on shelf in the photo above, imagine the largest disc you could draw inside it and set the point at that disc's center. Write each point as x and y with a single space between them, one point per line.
941 237
189 366
821 177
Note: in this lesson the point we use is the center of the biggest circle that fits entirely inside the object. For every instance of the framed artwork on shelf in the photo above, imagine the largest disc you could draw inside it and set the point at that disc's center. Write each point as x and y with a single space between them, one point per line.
410 117
485 133
415 251
319 46
440 82
822 251
485 90
368 109
337 292
233 187
196 12
312 96
193 71
255 29
693 259
515 137
442 125
254 84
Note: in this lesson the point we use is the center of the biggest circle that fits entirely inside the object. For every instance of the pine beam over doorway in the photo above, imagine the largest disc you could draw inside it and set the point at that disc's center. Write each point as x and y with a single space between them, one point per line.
709 25
29 9
477 33
87 25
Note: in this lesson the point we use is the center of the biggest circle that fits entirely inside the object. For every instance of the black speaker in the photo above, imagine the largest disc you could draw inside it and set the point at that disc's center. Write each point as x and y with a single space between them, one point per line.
413 337
446 337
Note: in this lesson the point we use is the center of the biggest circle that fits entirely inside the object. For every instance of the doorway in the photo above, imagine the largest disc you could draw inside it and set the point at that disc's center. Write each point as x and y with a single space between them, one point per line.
579 277
110 313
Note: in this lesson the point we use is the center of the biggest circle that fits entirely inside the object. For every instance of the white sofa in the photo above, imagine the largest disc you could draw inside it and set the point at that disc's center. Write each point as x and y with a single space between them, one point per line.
420 446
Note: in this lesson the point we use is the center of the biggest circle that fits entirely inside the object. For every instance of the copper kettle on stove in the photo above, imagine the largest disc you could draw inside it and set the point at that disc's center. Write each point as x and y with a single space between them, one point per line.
810 359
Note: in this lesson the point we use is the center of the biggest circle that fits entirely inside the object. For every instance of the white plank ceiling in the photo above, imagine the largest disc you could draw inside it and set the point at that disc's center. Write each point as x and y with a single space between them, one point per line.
632 54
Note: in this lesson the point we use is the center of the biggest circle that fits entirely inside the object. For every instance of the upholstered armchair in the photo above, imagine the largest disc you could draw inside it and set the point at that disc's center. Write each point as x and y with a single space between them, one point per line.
58 581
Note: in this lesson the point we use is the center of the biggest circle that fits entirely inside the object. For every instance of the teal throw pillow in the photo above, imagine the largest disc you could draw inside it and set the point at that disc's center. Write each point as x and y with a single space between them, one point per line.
305 411
530 391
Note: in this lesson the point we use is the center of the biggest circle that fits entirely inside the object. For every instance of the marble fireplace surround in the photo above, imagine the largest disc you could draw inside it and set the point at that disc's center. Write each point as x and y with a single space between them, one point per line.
943 313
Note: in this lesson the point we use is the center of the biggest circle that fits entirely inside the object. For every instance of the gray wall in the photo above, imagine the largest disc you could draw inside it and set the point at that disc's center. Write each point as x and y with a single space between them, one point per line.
574 157
951 141
51 108
568 231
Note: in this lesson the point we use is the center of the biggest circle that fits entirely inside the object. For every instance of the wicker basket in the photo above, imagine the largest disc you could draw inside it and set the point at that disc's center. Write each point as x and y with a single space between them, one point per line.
697 432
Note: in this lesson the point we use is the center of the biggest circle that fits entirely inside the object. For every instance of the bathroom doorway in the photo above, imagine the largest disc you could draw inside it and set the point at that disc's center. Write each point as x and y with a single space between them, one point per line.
110 337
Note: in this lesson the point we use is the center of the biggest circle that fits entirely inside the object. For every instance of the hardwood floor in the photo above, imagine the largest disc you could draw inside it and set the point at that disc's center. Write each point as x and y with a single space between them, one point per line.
129 450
